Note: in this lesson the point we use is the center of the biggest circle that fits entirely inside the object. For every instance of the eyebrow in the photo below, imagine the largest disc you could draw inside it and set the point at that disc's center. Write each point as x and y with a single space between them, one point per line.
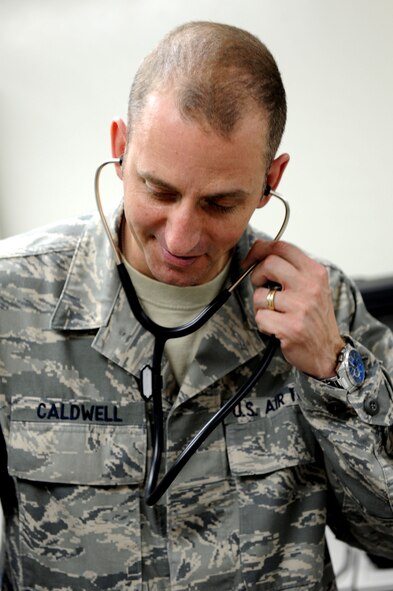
160 183
236 193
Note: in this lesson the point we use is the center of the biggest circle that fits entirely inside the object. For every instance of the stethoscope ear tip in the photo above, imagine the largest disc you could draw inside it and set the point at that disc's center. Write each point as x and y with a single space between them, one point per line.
267 190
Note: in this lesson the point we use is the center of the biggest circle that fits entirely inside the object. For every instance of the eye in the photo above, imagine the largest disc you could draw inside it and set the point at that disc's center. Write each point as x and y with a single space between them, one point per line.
221 206
159 192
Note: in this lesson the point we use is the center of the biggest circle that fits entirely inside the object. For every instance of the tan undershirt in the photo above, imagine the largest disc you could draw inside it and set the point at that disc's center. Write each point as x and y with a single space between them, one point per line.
170 305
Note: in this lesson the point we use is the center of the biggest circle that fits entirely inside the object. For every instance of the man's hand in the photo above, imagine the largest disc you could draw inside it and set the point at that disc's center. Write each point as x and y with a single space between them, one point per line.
303 317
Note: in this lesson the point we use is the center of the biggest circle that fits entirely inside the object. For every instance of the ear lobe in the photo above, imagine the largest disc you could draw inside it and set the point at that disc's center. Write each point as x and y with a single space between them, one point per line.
264 200
118 142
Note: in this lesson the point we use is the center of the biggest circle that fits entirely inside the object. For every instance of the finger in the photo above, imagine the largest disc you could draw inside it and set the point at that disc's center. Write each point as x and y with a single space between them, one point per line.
269 322
258 251
274 270
261 249
290 253
274 263
271 299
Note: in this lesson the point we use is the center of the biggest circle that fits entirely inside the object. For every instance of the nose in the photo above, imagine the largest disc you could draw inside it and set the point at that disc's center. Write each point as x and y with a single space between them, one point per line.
183 230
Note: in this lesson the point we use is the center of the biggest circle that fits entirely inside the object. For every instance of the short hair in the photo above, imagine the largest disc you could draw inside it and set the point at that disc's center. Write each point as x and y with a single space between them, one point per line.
218 72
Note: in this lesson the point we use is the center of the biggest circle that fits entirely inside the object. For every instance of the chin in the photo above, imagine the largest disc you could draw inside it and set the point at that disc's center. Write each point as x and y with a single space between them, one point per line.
179 279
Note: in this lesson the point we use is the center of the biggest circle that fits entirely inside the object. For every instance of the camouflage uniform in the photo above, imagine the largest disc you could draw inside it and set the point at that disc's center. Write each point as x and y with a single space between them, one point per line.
249 510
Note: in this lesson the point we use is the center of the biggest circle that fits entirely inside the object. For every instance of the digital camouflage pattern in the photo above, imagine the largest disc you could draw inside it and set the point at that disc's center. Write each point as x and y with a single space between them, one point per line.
249 510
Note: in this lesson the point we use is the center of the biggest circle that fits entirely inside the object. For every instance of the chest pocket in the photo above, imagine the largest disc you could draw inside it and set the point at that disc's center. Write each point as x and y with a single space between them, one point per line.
77 442
268 444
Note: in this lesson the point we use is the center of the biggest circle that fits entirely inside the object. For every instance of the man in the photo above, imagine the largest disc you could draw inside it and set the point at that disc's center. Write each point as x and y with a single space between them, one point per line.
310 444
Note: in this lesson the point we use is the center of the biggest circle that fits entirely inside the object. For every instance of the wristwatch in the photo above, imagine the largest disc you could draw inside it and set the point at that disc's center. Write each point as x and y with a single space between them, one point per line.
350 371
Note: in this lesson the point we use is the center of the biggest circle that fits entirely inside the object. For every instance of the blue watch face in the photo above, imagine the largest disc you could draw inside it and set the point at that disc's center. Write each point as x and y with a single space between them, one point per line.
356 367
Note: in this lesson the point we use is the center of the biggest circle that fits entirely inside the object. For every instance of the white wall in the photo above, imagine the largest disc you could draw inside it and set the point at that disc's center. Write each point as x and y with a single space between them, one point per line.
66 68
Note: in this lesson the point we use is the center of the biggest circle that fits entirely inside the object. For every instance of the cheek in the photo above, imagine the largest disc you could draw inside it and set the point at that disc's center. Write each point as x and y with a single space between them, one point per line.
227 233
137 213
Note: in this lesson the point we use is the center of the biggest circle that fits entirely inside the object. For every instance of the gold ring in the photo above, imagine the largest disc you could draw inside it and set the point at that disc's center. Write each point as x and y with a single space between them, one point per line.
271 294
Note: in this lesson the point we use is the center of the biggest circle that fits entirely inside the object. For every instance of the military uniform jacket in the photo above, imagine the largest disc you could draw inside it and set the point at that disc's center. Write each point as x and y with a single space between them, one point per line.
249 510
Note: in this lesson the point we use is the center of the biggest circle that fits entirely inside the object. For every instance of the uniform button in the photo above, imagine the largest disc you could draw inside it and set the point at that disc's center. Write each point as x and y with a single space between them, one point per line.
371 406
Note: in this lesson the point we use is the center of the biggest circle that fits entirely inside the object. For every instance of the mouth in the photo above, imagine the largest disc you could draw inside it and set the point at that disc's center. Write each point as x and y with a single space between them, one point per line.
178 261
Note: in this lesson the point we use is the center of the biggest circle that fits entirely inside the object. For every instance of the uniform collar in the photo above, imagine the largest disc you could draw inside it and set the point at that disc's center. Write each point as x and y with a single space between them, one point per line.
92 283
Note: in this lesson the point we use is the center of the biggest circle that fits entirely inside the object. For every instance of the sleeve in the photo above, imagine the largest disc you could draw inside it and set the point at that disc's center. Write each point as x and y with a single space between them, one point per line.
355 431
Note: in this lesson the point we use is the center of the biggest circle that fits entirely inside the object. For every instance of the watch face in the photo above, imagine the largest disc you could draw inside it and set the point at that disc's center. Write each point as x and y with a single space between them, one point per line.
356 367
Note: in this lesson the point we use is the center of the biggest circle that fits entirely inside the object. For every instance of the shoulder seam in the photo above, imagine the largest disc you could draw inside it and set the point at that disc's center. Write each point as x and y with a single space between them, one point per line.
39 252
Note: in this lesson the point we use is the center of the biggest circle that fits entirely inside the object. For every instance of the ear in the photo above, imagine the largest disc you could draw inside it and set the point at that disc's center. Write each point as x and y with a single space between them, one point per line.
274 175
118 142
276 170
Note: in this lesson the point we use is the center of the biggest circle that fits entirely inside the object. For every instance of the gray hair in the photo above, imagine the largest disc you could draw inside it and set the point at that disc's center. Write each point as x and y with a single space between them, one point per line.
218 73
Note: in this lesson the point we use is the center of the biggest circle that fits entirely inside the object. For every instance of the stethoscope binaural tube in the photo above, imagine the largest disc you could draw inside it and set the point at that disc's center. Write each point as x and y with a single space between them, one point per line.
151 379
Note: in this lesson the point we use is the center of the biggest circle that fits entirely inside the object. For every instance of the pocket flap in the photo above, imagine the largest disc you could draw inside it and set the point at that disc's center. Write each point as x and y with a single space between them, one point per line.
77 441
268 443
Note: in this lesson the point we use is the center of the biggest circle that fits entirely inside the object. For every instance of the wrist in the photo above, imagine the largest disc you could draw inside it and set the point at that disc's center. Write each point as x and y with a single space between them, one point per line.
350 371
330 368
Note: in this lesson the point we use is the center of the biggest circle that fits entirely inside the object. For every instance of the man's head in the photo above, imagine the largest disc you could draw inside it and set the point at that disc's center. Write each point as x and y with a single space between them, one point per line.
206 115
218 73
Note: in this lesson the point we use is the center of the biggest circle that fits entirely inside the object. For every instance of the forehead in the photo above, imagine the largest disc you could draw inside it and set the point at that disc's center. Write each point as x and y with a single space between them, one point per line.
161 119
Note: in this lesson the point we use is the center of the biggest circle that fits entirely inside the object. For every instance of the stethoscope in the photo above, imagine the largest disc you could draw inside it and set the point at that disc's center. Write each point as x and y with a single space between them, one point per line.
151 379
